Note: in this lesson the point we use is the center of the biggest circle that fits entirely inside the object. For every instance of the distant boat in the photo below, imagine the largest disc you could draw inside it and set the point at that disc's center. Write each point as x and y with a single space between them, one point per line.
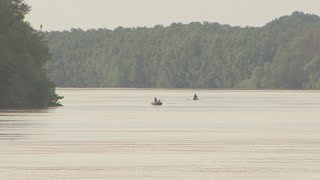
159 103
195 97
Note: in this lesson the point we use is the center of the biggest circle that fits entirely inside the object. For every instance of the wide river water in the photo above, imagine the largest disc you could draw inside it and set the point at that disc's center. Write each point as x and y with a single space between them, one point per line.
117 134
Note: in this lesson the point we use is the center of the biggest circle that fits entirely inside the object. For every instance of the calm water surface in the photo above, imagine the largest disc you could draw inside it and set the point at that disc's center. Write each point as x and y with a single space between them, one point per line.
117 134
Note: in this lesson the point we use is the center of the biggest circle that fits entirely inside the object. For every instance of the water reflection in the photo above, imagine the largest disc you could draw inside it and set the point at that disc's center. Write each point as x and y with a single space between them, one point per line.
21 124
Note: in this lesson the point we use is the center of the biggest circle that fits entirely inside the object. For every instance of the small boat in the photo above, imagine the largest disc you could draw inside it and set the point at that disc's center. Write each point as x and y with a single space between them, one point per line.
195 97
156 103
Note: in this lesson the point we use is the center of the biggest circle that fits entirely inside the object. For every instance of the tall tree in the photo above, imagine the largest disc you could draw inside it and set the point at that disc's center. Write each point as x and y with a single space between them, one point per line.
23 58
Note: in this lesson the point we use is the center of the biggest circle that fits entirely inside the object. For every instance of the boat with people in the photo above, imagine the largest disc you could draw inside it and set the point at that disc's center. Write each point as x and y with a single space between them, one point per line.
156 102
195 97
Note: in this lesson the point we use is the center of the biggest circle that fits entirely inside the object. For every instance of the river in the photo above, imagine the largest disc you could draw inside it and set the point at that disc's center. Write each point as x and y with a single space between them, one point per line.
117 134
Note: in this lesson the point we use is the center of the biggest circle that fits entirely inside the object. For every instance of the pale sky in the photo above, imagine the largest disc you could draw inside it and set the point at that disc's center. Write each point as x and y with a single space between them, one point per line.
86 14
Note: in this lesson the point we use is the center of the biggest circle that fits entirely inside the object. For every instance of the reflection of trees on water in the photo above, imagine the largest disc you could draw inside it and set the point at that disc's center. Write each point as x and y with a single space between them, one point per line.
7 126
16 124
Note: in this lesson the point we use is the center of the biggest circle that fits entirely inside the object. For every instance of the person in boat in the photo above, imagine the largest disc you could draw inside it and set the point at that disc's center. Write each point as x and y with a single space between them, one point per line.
159 102
195 96
155 100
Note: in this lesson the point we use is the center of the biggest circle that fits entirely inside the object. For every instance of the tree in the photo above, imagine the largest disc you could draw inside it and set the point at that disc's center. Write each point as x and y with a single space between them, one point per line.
192 55
23 58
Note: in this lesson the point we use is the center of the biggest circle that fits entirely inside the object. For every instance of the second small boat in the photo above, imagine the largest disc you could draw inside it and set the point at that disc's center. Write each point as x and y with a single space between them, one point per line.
195 97
156 103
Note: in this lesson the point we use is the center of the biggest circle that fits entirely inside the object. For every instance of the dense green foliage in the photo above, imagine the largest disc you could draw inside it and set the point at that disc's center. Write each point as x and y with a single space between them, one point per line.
23 58
284 54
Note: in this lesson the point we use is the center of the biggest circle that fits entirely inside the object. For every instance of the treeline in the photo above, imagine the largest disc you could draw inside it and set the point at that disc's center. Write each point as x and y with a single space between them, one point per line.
23 58
284 54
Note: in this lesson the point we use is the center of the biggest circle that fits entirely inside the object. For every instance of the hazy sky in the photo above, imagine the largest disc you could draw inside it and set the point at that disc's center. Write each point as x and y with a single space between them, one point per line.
65 14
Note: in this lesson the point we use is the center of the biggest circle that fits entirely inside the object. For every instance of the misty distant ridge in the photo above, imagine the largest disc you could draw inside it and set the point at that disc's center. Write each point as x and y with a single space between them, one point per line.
296 18
295 14
283 54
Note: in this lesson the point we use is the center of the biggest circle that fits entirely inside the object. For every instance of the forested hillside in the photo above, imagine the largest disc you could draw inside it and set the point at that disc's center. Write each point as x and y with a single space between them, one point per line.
284 54
23 58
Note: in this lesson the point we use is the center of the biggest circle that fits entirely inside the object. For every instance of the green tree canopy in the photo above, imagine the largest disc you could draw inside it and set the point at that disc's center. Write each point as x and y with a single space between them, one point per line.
283 54
23 58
